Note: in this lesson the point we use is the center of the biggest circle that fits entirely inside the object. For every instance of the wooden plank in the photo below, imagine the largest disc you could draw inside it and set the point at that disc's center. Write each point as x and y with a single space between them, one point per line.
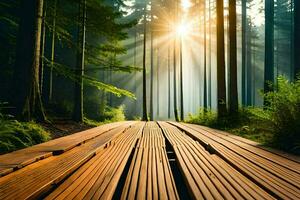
150 177
280 160
38 178
269 181
279 153
286 173
18 159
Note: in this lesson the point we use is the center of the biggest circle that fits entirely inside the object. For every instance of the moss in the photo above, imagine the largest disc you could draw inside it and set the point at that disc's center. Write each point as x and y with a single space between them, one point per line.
16 135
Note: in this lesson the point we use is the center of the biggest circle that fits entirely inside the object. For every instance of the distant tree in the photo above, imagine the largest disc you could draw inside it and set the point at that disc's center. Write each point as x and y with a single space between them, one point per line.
221 84
27 91
78 105
175 67
53 35
145 114
204 56
233 93
244 49
151 61
269 45
296 37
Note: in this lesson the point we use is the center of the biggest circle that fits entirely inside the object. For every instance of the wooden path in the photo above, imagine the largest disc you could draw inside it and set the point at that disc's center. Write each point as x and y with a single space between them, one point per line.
153 160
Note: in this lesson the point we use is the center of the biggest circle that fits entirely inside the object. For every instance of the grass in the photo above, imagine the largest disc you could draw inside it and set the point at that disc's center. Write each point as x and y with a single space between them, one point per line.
16 135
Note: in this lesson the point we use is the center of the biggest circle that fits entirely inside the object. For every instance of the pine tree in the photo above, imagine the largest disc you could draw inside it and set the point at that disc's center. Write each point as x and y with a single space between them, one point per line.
78 105
221 85
233 94
27 91
269 45
296 37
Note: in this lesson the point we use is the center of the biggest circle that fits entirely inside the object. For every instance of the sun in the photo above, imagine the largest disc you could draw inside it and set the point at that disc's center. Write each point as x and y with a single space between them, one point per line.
186 4
183 29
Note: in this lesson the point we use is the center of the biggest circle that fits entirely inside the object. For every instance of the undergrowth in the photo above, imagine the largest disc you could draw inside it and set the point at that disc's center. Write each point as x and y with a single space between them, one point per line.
109 115
276 125
16 135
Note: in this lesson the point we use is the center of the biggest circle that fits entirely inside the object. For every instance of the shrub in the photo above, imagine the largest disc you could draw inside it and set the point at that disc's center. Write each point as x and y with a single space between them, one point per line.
16 135
284 114
110 115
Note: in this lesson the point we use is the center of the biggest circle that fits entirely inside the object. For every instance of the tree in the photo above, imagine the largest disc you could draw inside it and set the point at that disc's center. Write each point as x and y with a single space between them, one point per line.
174 68
296 37
221 85
145 115
204 57
52 50
233 94
27 91
152 64
78 106
244 49
43 48
269 45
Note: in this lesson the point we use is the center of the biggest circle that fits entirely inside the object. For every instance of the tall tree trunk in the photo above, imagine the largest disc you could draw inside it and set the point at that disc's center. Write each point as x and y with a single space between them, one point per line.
169 76
157 85
175 66
269 45
209 56
78 104
249 67
233 93
244 49
135 65
145 114
296 37
221 83
28 97
52 52
152 65
205 59
43 48
181 82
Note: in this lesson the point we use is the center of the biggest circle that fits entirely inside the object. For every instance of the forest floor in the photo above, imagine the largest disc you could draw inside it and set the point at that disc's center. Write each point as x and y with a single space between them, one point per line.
60 128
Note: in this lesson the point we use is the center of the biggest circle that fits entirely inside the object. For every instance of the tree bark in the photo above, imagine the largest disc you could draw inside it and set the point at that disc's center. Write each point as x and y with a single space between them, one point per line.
52 53
233 93
145 114
43 48
78 103
205 59
296 37
169 76
209 56
27 90
244 49
174 73
157 85
221 84
151 65
181 82
269 45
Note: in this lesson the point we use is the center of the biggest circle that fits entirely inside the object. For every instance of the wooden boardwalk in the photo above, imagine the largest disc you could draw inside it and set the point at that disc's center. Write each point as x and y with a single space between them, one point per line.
153 160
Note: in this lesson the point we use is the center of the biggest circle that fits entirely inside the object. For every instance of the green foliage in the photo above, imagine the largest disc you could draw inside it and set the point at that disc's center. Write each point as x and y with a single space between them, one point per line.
110 115
277 125
251 123
284 114
16 135
204 117
87 80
